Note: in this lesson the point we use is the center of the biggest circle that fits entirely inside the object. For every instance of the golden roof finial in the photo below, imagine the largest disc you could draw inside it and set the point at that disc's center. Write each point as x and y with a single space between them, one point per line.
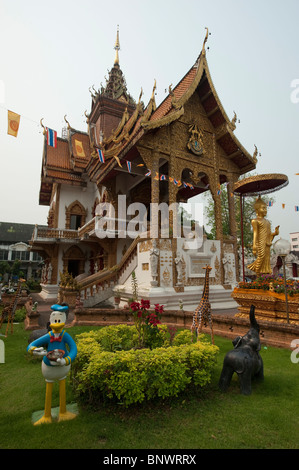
117 47
41 123
68 124
206 38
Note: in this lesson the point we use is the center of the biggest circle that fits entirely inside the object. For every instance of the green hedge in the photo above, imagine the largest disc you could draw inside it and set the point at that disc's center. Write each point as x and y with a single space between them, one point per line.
107 368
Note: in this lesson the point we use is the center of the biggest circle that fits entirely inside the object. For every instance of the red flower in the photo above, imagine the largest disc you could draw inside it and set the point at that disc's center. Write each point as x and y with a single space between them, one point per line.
135 306
145 304
159 309
153 319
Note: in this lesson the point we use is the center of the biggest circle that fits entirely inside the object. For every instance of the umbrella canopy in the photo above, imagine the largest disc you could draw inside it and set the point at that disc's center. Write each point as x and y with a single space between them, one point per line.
261 184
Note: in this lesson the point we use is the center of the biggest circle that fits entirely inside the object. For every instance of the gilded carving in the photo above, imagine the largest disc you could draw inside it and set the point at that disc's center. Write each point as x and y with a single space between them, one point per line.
145 246
195 142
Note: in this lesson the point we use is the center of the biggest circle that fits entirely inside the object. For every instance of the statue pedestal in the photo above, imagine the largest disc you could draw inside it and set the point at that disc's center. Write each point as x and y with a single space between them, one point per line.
49 291
268 305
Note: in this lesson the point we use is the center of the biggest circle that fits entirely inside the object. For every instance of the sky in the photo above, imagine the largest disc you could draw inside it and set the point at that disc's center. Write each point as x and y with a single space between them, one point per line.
51 54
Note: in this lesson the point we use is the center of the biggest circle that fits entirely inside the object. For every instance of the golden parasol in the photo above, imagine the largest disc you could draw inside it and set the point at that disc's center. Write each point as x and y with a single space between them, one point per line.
255 186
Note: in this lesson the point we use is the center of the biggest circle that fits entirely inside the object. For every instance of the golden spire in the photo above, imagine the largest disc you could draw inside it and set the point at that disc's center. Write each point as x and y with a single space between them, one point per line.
205 40
117 47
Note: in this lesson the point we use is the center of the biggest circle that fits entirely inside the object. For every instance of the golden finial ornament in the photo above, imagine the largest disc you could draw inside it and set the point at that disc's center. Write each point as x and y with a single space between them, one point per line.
68 124
154 89
117 47
140 96
255 154
205 40
41 123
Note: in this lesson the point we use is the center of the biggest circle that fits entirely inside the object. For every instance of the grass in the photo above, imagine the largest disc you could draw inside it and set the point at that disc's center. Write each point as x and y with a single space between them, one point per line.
267 419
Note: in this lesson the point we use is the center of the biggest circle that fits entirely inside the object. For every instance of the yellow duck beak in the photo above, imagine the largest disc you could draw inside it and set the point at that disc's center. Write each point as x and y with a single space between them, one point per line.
57 327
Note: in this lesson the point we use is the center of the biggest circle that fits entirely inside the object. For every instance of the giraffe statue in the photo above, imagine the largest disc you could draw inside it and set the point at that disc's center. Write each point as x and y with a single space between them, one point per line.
9 310
203 312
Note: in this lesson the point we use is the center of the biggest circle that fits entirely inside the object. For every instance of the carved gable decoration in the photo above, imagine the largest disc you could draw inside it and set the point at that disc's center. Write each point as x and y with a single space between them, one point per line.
195 142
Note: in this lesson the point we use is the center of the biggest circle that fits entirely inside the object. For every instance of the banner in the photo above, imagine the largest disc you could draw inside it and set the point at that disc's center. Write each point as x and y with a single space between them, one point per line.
79 148
13 123
51 138
101 156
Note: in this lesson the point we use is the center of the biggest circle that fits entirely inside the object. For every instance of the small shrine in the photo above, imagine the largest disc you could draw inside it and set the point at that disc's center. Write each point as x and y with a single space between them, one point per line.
147 154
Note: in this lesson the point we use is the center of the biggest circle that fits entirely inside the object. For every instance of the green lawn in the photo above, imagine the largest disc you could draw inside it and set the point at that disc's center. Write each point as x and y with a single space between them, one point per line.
268 419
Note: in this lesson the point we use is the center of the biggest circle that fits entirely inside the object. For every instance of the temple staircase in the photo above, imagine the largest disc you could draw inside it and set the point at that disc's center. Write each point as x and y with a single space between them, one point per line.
98 287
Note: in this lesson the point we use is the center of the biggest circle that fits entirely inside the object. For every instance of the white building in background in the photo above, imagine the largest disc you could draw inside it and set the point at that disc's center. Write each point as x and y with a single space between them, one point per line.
14 245
294 239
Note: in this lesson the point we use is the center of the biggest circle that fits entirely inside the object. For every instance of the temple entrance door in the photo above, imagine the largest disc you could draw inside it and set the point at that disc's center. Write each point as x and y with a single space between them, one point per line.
74 267
295 270
73 261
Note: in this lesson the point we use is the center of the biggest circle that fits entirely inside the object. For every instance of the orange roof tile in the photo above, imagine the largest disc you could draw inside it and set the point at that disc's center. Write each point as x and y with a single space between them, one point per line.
181 88
63 175
59 157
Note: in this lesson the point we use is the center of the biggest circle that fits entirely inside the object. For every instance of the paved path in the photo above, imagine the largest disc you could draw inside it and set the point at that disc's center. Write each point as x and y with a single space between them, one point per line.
44 309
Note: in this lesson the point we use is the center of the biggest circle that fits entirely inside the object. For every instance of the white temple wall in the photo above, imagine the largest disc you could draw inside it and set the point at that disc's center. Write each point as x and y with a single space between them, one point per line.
86 196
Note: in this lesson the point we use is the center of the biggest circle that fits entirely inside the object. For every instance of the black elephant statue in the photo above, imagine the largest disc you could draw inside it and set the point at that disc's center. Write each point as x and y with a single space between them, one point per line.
244 359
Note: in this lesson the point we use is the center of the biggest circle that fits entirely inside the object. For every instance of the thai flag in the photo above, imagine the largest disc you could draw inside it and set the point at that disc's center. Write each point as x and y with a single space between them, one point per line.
162 178
51 138
129 166
296 208
270 203
175 181
101 156
148 173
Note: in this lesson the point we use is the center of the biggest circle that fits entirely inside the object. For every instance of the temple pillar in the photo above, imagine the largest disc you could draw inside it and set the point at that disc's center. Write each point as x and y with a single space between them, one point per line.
155 195
173 222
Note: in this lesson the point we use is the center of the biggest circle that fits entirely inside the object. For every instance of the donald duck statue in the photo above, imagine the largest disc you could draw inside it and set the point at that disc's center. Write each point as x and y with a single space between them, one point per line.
60 352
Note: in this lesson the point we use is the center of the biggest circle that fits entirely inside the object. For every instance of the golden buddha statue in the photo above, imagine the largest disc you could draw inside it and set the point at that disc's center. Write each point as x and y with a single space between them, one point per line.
262 239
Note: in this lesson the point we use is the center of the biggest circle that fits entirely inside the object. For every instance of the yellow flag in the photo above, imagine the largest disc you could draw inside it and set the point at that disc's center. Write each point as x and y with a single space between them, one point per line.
13 123
79 148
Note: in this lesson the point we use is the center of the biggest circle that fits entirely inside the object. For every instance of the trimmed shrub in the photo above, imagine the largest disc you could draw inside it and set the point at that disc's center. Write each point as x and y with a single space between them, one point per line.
109 368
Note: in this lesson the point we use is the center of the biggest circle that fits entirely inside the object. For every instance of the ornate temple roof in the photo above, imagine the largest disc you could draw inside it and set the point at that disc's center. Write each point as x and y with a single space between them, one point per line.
115 87
197 80
67 163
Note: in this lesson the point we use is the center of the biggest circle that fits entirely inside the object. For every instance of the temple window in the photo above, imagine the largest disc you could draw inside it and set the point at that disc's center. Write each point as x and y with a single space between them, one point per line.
75 216
75 221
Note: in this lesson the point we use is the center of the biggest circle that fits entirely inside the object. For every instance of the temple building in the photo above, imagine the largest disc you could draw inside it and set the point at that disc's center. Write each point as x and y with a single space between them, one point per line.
150 155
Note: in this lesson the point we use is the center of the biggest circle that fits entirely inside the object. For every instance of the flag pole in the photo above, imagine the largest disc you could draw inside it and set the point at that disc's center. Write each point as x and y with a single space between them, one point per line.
242 236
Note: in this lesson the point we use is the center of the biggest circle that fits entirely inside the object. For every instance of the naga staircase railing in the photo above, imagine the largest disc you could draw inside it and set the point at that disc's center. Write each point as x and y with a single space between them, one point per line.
108 277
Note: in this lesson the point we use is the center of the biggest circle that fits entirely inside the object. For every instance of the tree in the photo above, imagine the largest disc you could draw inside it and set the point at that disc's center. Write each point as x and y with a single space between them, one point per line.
4 268
15 269
248 215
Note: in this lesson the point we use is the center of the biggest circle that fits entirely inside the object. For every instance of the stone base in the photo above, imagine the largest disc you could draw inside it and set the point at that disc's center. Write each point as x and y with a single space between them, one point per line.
31 321
68 297
49 291
220 298
72 408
